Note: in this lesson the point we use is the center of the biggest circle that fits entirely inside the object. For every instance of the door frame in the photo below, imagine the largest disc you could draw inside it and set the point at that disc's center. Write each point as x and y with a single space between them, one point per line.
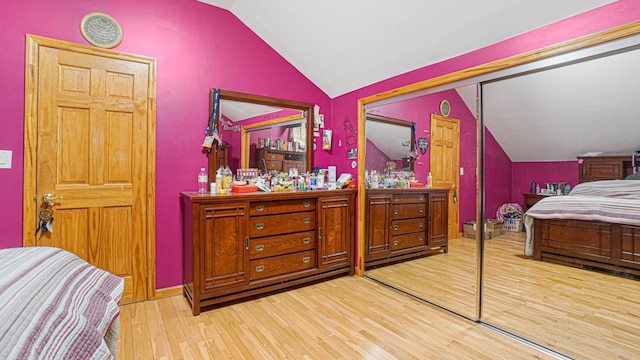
30 202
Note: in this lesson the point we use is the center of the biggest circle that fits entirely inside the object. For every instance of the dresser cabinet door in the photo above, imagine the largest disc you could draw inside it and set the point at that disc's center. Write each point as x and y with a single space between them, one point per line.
377 226
334 231
223 254
438 221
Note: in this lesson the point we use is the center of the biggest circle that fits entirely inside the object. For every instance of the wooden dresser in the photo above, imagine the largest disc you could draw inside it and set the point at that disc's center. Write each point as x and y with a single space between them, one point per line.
404 223
280 160
532 199
606 167
240 245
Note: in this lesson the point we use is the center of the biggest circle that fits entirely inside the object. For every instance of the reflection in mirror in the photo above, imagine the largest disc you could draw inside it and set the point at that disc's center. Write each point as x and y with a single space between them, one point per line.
443 269
276 129
390 143
275 145
577 288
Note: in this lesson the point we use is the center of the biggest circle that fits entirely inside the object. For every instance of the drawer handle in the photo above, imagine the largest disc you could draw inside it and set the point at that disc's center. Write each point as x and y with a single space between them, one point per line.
395 228
260 208
396 198
421 210
260 226
421 197
420 225
420 238
273 157
306 220
306 240
260 268
306 204
395 212
395 243
260 248
306 259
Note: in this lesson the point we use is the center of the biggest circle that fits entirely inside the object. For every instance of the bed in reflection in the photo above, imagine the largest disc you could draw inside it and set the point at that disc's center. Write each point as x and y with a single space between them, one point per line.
54 305
596 226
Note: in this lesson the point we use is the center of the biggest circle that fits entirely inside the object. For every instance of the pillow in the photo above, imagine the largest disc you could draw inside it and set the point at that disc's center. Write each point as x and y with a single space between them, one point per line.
635 176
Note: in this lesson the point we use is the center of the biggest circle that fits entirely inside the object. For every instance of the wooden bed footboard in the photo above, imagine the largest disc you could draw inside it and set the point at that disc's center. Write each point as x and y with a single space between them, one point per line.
588 244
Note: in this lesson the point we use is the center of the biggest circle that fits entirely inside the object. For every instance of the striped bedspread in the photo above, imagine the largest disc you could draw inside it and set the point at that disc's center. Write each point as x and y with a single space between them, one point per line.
54 305
611 201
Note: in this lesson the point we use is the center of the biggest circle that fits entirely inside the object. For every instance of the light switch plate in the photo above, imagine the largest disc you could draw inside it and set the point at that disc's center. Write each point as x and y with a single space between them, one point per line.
5 159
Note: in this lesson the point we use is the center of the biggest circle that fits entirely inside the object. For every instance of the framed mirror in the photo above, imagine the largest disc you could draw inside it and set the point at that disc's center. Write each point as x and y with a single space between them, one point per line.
389 144
279 130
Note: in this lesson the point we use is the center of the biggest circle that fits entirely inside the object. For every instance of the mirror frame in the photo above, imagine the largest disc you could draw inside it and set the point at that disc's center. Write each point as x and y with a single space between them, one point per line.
261 100
439 82
398 122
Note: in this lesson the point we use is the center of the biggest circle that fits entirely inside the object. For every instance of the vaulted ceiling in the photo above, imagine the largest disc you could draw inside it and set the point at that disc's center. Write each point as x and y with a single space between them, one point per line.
345 45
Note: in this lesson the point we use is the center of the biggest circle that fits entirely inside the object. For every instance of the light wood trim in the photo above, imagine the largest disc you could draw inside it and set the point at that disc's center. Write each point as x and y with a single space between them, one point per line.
361 190
168 292
632 28
30 141
33 43
245 136
151 180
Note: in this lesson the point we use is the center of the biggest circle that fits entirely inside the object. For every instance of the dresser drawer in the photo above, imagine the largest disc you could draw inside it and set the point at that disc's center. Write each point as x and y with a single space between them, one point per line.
281 224
408 198
408 211
400 242
274 165
400 227
283 206
283 244
283 264
274 156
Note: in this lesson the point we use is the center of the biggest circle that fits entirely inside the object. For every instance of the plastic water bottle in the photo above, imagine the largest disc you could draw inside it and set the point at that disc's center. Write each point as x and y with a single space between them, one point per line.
203 181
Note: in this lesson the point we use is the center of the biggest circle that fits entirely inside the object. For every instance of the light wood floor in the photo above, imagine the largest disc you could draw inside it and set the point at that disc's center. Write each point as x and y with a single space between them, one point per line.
580 313
448 280
345 318
584 314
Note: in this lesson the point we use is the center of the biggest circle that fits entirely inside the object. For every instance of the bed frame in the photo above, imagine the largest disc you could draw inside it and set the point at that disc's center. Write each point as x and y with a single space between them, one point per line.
588 244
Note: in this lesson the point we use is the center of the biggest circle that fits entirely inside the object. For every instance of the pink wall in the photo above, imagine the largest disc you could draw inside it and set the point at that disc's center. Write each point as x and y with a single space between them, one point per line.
376 159
197 46
498 176
541 172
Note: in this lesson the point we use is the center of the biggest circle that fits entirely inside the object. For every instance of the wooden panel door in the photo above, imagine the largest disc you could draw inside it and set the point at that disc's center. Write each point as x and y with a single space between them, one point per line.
223 242
445 164
92 152
335 239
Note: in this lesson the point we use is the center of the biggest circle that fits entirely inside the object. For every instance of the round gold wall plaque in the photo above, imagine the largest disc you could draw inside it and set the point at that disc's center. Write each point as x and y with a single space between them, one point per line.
101 30
445 108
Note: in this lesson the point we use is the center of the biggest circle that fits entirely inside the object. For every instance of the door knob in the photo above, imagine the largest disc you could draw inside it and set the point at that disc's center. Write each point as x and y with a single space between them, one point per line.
50 198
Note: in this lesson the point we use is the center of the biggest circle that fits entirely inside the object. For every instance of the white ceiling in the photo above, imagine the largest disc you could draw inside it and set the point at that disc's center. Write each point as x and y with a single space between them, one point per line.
343 45
558 114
